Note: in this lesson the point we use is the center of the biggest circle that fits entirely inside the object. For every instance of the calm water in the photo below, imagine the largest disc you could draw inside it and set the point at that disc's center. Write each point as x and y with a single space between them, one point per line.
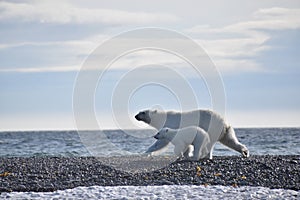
276 141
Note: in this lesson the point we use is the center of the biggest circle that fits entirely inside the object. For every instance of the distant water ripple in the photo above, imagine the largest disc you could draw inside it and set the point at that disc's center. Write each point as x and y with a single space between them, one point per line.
260 141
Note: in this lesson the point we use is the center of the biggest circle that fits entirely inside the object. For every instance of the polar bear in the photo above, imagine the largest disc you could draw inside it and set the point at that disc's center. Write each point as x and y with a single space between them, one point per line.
182 138
211 122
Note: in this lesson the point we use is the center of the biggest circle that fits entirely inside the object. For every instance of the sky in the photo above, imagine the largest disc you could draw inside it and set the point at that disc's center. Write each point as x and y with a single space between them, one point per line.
254 45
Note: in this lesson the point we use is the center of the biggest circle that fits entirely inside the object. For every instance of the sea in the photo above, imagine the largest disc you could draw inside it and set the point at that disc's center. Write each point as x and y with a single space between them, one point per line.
260 141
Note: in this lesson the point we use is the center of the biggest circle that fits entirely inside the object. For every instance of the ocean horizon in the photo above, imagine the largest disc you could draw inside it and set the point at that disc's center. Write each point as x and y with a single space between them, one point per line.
260 141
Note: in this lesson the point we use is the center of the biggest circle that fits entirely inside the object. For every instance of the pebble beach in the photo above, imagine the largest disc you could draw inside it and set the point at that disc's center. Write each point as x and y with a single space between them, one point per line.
48 174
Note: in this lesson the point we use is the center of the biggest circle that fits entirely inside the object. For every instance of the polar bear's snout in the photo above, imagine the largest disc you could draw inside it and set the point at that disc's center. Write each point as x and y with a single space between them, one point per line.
143 116
137 117
158 135
140 116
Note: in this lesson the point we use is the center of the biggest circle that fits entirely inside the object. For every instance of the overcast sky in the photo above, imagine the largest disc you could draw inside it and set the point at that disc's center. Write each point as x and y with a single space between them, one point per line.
255 46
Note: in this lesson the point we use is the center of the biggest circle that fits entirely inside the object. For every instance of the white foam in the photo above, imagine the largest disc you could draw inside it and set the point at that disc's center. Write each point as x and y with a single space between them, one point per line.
159 192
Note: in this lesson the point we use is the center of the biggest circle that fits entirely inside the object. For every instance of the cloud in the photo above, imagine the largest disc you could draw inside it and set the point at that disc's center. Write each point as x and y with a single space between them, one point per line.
63 13
42 69
82 46
78 50
276 19
233 48
263 19
241 42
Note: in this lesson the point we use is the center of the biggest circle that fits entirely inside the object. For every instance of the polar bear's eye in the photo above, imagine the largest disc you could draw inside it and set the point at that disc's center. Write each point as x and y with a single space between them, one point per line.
167 130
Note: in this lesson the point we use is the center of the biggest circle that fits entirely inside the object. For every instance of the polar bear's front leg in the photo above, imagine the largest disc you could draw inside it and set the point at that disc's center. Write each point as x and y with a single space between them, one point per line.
159 146
201 147
180 149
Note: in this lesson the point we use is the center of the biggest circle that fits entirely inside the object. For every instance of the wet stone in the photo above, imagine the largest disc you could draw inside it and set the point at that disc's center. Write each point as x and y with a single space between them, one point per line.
58 173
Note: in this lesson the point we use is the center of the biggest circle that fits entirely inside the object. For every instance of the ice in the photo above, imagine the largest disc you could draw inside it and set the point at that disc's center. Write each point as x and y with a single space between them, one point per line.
159 192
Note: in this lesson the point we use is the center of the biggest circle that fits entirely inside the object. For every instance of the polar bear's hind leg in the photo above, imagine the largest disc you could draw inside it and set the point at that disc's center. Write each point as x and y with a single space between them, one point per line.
230 140
189 152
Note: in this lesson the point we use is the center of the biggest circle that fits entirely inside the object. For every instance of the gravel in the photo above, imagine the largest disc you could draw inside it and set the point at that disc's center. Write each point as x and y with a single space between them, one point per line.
47 174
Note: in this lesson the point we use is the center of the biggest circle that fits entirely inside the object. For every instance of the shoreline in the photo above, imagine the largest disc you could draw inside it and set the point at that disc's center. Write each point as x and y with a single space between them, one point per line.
47 174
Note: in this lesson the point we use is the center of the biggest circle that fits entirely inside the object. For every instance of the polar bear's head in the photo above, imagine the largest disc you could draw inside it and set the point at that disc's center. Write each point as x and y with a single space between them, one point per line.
165 133
145 116
161 134
154 118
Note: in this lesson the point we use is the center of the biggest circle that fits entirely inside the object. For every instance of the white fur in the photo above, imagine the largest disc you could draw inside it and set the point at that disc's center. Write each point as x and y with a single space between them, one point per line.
216 127
183 138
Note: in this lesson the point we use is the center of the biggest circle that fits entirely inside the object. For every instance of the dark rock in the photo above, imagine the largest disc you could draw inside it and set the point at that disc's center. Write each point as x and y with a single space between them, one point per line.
53 173
164 182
